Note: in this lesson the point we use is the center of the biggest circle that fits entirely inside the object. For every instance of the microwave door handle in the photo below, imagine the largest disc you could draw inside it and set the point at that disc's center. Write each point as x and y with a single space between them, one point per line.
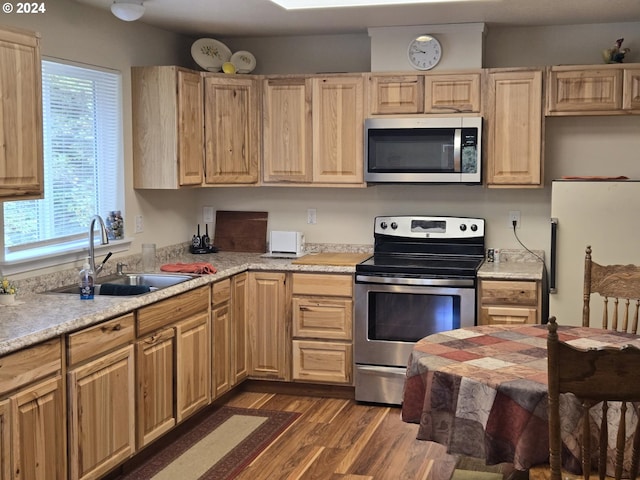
457 144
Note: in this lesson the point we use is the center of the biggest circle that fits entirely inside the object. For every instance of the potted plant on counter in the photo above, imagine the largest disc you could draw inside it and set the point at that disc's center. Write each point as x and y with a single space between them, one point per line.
7 292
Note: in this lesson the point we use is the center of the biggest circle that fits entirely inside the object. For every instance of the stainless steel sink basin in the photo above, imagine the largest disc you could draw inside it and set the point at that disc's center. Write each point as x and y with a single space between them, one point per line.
155 281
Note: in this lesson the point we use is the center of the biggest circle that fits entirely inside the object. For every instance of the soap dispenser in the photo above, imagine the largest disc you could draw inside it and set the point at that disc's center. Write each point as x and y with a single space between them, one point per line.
86 282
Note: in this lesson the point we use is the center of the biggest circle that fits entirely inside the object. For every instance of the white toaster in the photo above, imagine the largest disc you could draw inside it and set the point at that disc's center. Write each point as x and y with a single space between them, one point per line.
286 243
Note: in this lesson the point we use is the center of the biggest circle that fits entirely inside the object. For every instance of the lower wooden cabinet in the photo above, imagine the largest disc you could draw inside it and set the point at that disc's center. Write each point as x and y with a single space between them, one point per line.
101 400
269 332
32 414
509 302
322 347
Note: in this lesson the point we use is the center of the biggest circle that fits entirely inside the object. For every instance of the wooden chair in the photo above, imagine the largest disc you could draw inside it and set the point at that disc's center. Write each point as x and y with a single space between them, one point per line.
596 377
619 286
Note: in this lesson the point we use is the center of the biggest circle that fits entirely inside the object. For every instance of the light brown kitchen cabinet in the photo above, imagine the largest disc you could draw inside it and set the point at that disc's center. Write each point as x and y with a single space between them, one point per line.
173 364
505 302
514 128
221 334
631 90
21 155
593 90
155 396
456 92
313 130
269 330
322 346
101 382
232 129
32 414
239 316
168 127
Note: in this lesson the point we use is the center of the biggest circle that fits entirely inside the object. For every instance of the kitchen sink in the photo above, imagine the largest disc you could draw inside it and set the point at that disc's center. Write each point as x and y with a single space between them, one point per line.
118 283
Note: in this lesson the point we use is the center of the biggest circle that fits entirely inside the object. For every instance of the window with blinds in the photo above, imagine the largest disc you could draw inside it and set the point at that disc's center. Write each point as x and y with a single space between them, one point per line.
82 135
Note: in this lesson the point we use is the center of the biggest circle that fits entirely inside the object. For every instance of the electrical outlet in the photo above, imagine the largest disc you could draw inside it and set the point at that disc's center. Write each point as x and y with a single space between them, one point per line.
311 216
139 224
207 214
514 216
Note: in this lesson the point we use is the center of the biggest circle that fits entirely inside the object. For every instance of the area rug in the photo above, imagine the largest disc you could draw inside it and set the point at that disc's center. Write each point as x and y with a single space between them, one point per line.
218 448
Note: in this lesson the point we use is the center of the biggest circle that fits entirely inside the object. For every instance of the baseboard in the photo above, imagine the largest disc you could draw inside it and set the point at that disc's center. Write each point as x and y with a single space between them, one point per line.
295 388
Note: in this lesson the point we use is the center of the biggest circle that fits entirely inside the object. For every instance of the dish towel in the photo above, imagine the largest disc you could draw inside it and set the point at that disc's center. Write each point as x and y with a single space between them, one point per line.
196 267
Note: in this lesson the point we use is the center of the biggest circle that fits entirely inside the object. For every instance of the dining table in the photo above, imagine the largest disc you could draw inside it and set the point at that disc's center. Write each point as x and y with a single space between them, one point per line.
482 392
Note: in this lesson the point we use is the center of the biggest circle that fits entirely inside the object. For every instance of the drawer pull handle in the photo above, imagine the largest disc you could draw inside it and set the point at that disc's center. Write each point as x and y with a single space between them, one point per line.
115 328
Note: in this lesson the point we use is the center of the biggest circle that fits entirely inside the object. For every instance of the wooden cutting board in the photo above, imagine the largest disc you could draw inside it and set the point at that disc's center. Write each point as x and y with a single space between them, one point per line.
241 231
329 258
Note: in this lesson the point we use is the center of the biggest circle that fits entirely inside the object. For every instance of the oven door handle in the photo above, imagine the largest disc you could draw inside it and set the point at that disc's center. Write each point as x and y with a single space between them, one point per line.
429 282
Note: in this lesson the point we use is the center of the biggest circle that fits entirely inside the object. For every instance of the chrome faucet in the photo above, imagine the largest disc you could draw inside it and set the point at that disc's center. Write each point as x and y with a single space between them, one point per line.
103 241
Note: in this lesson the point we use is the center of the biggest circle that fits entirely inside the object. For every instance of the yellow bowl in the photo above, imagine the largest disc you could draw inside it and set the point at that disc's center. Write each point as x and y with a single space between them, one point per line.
228 67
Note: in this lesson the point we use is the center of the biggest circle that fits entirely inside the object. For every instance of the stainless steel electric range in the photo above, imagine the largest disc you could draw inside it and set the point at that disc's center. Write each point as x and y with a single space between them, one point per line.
420 280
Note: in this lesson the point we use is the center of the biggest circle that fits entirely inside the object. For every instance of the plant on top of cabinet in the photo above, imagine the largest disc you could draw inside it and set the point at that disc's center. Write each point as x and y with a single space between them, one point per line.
21 157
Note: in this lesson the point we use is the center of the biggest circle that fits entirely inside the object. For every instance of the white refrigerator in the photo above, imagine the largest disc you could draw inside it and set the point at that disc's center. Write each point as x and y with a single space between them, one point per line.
603 214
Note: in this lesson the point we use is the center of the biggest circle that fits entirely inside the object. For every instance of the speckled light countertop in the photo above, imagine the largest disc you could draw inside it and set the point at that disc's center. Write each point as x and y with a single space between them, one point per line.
41 316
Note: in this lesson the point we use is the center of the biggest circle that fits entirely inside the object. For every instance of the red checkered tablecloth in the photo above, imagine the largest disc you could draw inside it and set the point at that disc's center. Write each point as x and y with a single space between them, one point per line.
482 391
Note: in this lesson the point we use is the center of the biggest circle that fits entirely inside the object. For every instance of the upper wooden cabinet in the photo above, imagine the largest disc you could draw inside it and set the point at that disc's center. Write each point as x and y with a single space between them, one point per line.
514 128
168 127
390 94
21 159
232 129
313 130
593 90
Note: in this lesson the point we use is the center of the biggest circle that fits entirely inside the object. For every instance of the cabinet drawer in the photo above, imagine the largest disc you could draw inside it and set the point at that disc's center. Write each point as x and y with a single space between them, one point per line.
508 316
221 292
321 284
163 313
322 361
25 366
99 339
330 318
495 292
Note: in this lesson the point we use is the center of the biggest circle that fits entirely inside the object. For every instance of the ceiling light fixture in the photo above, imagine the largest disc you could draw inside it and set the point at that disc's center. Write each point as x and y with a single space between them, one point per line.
304 4
127 10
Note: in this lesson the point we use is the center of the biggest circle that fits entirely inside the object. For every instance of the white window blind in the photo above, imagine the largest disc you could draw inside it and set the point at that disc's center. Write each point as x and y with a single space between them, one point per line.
82 159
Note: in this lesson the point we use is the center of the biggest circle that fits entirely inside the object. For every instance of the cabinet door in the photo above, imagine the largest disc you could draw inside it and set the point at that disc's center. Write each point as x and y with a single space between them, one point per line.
232 130
578 90
101 406
193 371
239 314
338 129
514 120
5 440
21 160
39 434
452 93
391 94
190 128
221 324
268 329
631 97
155 360
287 130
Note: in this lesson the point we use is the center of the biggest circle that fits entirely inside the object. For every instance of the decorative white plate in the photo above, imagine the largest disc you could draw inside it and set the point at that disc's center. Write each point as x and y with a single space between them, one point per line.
244 61
210 54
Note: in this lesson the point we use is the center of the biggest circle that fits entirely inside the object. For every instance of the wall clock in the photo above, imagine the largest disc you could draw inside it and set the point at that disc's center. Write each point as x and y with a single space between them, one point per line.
424 52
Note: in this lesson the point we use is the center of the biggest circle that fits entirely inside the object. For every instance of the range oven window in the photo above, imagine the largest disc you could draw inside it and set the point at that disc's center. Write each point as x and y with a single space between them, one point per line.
408 317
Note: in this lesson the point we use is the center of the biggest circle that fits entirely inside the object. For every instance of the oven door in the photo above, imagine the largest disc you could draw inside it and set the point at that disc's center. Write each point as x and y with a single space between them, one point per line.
391 318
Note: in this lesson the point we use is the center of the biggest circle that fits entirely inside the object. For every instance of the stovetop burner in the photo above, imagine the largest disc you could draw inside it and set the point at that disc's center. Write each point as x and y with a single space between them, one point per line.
427 247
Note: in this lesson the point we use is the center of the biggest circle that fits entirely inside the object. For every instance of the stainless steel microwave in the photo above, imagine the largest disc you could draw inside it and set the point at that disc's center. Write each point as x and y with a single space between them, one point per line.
423 150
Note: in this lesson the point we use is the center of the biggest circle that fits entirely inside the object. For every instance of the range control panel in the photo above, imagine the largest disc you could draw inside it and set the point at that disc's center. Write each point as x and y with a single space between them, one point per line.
429 227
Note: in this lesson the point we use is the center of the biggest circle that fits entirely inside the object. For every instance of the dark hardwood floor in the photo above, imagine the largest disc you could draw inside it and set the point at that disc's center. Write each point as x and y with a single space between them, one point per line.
337 438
